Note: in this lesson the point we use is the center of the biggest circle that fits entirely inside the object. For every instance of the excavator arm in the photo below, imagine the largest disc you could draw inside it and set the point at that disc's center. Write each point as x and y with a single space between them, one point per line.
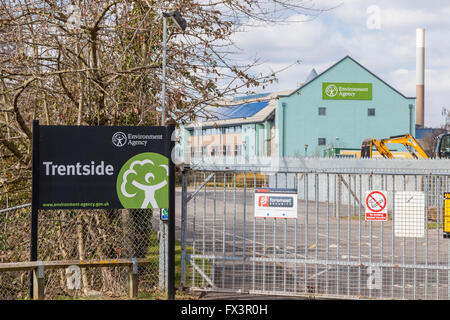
407 140
442 146
367 147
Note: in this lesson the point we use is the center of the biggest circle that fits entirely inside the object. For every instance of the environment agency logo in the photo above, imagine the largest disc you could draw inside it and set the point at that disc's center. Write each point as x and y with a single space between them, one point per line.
331 90
119 139
143 182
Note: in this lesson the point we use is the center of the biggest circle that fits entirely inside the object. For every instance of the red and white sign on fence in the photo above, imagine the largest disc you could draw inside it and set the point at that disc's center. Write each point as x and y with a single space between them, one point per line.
376 205
276 203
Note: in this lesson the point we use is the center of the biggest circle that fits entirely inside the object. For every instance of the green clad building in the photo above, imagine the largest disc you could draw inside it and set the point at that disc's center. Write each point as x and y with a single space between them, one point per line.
334 110
339 108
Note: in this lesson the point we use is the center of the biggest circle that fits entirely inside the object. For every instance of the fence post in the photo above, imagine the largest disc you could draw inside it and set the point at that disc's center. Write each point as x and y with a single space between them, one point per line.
183 227
133 279
38 282
172 215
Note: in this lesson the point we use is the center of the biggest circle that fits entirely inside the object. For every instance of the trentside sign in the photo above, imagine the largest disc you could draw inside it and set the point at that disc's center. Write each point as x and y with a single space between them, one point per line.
111 167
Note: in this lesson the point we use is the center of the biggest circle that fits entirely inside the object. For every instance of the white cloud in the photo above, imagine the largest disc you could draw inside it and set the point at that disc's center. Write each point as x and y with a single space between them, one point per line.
394 18
389 51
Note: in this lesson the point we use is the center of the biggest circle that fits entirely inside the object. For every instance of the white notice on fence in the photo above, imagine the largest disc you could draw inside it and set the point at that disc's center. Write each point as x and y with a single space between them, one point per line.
276 203
409 214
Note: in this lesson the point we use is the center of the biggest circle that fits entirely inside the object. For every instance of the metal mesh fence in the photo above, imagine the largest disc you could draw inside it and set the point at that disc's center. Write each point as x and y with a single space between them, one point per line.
80 235
330 249
97 235
14 247
14 285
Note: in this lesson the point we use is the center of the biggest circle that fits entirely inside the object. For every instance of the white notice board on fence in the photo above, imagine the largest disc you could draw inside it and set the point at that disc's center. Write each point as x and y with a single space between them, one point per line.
276 203
409 214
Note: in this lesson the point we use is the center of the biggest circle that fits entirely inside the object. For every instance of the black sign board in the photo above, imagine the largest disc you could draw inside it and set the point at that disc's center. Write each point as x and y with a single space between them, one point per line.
83 167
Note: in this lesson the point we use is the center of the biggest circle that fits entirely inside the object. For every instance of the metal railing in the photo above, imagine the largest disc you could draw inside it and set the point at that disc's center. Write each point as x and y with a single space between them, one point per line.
38 269
80 235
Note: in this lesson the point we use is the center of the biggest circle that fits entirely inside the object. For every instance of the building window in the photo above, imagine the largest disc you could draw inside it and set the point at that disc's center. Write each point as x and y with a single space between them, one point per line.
237 150
322 111
322 141
371 112
229 151
229 130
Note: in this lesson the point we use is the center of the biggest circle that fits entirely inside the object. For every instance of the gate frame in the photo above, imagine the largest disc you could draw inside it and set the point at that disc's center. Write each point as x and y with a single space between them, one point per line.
422 169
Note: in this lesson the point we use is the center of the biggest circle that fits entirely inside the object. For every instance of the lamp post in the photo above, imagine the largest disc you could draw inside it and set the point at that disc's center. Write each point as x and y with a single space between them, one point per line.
167 238
181 23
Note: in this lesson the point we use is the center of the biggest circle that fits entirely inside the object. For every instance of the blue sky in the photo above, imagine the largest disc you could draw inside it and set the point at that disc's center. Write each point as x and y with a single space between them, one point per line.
381 35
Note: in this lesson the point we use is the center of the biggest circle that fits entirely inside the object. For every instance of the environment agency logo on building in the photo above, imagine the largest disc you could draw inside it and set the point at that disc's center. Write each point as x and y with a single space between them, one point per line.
346 91
143 182
331 90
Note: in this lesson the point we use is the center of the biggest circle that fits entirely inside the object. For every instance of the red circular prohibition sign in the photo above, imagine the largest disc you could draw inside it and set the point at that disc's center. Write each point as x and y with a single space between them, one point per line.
381 206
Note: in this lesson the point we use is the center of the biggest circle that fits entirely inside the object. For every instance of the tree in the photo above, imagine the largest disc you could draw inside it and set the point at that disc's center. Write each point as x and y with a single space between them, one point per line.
99 63
429 141
446 114
86 62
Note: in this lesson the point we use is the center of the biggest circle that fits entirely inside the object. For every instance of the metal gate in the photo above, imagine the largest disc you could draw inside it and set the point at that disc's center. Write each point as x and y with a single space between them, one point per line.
330 249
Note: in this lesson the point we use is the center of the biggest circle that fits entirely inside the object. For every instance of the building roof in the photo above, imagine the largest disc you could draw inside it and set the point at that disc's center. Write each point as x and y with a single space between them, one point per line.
311 75
312 78
258 107
243 110
240 110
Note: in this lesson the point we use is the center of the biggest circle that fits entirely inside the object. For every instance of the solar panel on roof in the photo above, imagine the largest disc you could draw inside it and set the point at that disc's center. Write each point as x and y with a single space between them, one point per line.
221 112
258 95
244 110
250 109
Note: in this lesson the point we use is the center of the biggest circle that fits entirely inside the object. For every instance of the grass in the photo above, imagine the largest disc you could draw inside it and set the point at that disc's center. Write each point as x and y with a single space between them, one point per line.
154 255
148 295
434 225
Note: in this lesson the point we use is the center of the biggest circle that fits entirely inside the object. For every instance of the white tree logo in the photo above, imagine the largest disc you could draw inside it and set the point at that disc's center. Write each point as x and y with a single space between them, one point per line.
331 90
143 181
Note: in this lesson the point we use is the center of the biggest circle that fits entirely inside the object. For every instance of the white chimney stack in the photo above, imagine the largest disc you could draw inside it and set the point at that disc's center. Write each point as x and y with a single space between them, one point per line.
420 76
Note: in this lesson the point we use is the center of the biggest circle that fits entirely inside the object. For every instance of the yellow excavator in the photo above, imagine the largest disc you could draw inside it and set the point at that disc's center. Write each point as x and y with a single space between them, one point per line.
442 146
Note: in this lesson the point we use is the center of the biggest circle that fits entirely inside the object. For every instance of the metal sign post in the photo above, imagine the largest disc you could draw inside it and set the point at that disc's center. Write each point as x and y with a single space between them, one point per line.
171 213
34 200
